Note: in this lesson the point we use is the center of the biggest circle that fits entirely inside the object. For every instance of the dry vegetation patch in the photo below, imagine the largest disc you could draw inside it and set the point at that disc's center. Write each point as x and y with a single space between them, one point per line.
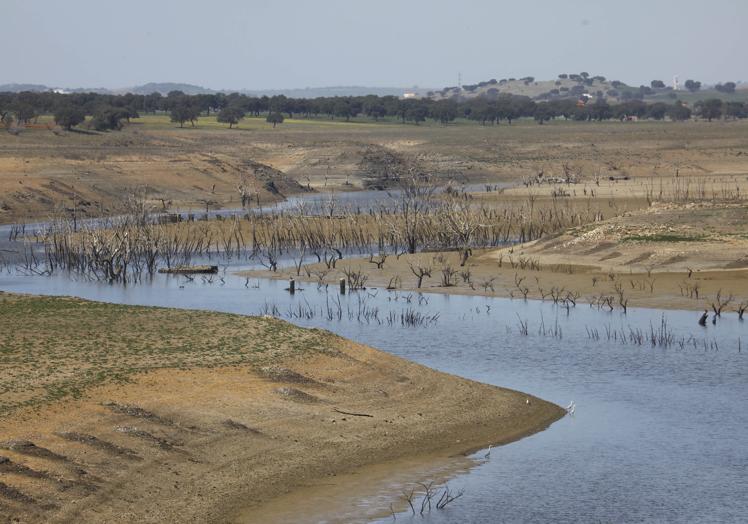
59 347
668 255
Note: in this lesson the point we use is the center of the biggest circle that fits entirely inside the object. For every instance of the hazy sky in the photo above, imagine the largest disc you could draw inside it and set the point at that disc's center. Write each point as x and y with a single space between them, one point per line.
283 43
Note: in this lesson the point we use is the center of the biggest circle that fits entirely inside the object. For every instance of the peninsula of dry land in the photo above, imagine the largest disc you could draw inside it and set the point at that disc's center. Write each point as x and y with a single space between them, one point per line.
121 414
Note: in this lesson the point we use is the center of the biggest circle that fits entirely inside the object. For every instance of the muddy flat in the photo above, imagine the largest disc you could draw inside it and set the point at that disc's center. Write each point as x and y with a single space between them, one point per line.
152 415
664 255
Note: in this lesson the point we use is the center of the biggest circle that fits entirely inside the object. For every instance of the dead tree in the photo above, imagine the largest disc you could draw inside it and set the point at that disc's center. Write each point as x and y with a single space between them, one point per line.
622 300
427 496
719 304
356 278
420 272
487 284
394 283
462 223
741 309
269 259
243 188
330 260
448 497
413 205
379 261
518 284
320 275
298 262
448 274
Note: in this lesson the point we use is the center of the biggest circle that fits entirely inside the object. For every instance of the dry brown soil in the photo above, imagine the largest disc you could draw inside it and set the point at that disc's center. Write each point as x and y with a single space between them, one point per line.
664 256
280 408
41 172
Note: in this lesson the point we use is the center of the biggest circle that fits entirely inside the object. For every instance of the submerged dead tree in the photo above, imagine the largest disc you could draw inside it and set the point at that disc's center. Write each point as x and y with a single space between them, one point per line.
414 204
462 223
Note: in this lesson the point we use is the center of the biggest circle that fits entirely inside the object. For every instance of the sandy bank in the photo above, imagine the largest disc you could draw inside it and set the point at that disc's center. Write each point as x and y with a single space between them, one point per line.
667 256
193 443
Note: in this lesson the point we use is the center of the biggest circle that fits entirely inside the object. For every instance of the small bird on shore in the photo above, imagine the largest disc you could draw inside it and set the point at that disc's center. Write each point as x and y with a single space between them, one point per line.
702 320
487 455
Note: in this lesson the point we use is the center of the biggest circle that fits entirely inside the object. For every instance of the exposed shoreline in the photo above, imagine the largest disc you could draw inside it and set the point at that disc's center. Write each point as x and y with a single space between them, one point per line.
163 448
724 279
653 258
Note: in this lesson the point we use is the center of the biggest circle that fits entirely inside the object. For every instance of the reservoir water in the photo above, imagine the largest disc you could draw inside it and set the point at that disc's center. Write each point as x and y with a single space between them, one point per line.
660 433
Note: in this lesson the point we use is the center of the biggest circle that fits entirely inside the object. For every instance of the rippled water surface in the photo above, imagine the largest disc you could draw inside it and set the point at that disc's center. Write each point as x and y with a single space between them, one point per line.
660 433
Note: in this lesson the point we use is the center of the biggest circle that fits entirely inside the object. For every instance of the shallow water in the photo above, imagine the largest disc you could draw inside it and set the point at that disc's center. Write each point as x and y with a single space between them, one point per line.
315 203
659 434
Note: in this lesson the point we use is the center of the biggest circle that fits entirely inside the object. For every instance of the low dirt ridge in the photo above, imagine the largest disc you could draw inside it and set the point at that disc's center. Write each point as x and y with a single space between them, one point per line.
207 439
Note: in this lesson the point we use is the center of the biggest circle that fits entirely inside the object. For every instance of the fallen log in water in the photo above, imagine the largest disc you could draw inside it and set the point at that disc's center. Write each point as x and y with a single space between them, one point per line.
189 269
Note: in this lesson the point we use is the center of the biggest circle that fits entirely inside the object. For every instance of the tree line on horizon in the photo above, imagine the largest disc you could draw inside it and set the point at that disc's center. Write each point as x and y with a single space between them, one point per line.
103 112
584 81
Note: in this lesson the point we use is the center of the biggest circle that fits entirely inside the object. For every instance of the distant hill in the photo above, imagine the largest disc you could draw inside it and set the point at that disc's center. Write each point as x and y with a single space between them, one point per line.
314 92
165 88
307 92
571 86
147 89
575 86
190 89
17 88
536 89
